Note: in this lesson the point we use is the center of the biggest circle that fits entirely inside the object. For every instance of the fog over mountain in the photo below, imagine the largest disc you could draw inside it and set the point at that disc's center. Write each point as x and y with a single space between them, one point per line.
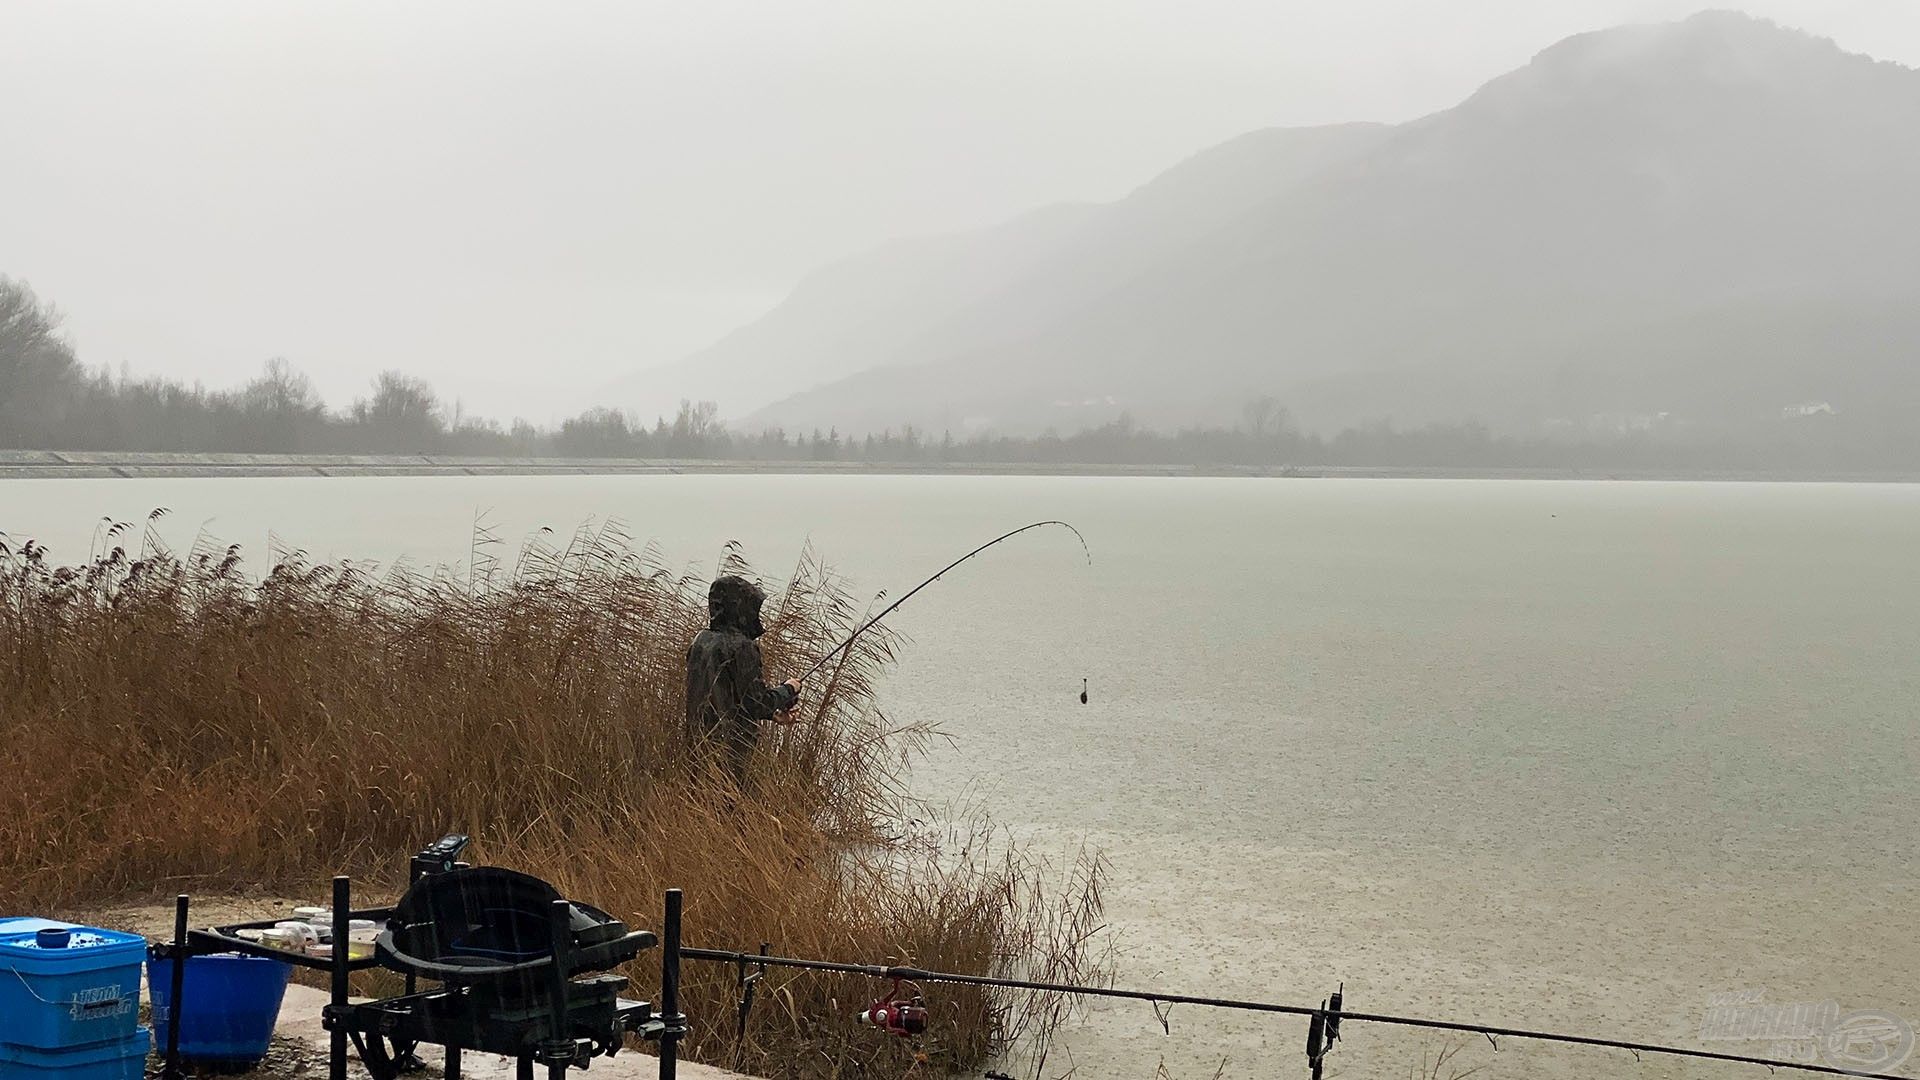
1712 219
895 304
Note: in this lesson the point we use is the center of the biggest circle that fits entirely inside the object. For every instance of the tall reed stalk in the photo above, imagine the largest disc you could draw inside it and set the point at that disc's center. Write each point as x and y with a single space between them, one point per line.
169 723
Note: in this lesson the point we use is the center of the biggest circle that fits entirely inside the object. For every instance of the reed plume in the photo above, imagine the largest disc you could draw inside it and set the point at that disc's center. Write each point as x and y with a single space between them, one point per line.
169 723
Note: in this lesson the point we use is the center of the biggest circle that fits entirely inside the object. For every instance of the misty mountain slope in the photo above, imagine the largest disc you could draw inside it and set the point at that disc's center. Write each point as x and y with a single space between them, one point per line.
1715 368
901 302
1150 229
839 320
1606 221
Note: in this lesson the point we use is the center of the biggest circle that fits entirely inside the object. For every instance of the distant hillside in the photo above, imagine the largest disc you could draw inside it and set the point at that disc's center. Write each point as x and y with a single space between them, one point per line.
1712 219
898 304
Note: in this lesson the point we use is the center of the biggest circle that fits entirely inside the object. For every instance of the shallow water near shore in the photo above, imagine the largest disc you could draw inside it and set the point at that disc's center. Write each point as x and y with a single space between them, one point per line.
1546 754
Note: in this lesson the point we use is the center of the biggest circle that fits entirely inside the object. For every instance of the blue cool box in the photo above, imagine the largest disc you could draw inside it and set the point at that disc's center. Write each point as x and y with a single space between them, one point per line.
229 1005
121 1059
58 999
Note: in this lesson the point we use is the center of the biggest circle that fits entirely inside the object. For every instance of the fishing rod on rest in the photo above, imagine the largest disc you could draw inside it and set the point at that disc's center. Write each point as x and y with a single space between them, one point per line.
890 608
1324 1019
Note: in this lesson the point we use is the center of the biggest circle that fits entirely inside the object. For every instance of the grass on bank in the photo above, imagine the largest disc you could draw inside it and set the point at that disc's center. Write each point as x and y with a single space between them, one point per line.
168 723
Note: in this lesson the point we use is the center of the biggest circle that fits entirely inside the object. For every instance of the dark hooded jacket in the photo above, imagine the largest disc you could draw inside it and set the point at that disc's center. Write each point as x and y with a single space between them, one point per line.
726 697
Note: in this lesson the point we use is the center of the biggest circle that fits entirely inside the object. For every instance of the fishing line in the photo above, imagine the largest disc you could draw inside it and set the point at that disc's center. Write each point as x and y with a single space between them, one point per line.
890 608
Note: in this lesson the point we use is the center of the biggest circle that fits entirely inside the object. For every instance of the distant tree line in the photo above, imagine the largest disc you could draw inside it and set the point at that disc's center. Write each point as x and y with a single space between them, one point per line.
49 401
1123 442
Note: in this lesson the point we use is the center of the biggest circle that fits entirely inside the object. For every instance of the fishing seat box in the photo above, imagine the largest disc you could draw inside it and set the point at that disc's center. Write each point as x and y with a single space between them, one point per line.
86 994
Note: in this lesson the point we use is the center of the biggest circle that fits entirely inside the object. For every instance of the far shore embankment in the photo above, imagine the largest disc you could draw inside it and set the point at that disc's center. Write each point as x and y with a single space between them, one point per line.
78 464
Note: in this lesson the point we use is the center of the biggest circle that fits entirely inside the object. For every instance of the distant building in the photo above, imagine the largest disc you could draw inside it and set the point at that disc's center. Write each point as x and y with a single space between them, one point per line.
1807 408
1626 423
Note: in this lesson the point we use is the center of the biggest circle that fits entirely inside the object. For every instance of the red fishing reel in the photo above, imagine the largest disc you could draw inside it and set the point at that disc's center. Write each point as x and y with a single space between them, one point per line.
901 1011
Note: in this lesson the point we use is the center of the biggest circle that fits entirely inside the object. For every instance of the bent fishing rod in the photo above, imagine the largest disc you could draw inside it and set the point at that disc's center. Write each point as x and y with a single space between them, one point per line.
890 608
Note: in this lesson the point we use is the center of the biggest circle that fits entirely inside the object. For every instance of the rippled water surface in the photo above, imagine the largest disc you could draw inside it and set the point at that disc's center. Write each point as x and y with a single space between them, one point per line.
1551 754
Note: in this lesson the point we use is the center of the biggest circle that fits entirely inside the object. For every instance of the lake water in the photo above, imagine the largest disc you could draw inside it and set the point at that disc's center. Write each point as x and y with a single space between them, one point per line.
1547 754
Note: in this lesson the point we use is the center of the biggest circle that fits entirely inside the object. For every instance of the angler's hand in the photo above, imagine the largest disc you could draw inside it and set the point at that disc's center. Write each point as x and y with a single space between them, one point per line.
787 715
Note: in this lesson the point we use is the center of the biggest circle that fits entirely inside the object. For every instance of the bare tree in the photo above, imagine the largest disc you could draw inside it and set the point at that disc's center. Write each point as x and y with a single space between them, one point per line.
1260 415
402 416
39 378
599 432
695 429
279 389
281 411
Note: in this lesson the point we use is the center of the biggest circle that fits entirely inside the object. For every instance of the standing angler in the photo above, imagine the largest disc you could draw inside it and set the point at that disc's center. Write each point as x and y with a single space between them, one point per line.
726 701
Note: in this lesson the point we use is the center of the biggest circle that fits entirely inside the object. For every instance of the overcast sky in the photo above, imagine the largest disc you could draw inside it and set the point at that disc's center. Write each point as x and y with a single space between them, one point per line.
522 202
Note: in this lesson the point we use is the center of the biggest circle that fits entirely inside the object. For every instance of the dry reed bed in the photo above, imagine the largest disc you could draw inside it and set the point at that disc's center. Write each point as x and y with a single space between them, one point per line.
168 723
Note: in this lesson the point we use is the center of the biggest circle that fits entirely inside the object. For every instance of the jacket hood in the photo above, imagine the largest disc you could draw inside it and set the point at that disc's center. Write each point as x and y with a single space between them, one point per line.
733 603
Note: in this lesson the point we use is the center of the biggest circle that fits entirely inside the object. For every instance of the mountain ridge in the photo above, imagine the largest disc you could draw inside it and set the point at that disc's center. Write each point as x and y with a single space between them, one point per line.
1622 186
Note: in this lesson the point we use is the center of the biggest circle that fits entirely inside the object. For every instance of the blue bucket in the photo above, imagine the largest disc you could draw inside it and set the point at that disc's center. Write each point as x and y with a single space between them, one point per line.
77 986
231 1004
